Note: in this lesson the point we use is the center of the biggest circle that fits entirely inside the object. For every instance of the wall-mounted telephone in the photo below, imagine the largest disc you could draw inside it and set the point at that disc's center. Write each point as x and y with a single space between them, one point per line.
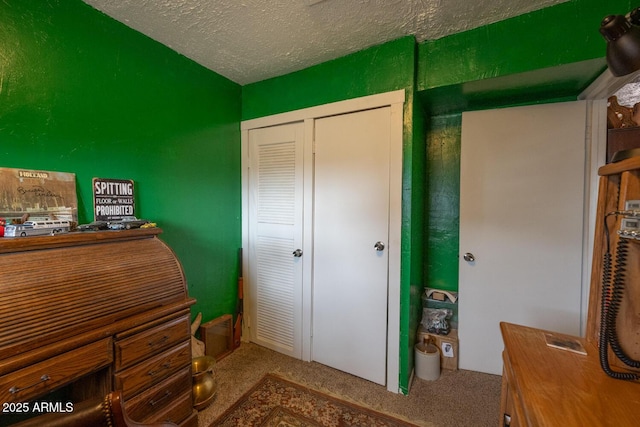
614 280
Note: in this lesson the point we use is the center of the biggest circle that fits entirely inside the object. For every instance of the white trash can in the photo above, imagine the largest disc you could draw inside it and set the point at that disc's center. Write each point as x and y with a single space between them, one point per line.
427 361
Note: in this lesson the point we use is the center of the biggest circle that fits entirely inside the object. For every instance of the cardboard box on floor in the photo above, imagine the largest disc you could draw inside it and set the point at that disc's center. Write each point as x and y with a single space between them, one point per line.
447 344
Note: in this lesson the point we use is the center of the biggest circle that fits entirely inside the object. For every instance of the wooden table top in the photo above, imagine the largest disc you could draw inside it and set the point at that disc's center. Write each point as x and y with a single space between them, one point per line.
557 387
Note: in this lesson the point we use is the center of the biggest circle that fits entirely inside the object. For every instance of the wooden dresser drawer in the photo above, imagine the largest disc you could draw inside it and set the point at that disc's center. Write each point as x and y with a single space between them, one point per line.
45 376
143 375
176 412
158 397
136 348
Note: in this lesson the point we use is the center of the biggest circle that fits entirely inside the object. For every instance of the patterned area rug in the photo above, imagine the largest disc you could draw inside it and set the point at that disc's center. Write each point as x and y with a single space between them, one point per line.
276 402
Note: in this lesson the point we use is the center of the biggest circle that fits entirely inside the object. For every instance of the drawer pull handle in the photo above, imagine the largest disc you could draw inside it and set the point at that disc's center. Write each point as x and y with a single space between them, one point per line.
167 394
161 341
165 366
16 389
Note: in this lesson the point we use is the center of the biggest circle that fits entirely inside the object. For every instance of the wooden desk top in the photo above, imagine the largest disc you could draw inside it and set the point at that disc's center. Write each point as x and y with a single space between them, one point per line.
557 387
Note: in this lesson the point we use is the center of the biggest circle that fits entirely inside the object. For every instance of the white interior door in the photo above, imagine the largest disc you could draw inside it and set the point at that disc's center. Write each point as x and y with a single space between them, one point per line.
275 233
351 217
521 217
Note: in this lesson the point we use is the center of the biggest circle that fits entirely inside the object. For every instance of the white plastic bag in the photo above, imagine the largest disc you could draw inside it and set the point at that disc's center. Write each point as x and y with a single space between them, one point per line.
436 320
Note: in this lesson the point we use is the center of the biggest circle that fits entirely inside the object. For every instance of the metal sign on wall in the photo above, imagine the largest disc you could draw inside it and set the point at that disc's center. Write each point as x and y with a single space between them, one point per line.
112 199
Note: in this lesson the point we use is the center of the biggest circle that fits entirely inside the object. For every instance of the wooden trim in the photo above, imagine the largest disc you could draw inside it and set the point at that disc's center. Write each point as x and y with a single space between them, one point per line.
340 107
619 167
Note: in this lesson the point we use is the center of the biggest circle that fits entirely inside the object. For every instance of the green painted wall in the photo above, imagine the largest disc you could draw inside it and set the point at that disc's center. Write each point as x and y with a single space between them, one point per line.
443 202
383 68
82 93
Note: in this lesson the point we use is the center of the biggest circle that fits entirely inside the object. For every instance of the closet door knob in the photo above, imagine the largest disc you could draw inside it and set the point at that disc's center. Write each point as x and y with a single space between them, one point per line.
379 246
297 253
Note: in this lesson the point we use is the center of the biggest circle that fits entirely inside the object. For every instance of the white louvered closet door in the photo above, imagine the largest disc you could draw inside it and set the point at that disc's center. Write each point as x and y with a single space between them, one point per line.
275 230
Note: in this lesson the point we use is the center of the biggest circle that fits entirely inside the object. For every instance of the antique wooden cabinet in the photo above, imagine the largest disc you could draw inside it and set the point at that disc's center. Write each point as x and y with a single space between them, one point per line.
82 314
546 386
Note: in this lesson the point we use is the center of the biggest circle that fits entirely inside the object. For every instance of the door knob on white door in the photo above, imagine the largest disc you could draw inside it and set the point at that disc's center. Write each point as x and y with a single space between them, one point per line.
469 257
379 246
297 253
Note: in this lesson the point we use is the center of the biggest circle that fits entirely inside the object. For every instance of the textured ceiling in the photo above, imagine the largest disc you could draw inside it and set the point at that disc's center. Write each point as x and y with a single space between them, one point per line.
252 40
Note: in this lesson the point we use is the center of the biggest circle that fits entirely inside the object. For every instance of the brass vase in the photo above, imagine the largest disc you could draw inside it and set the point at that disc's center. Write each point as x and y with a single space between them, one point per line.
205 386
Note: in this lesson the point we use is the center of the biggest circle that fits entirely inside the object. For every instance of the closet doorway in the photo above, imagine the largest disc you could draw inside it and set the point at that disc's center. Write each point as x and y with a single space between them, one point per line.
321 230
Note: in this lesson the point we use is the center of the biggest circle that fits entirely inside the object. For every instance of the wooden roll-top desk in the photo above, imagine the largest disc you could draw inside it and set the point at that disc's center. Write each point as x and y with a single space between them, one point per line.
83 314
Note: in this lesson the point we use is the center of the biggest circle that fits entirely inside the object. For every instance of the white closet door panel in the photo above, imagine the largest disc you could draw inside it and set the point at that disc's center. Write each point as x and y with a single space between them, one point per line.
351 214
276 291
521 216
275 228
276 183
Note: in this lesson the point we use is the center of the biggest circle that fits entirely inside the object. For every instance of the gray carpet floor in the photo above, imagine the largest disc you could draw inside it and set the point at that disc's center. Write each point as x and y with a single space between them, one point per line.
458 398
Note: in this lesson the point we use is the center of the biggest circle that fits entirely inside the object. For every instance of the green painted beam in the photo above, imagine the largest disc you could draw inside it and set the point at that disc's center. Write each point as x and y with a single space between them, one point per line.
559 35
563 82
